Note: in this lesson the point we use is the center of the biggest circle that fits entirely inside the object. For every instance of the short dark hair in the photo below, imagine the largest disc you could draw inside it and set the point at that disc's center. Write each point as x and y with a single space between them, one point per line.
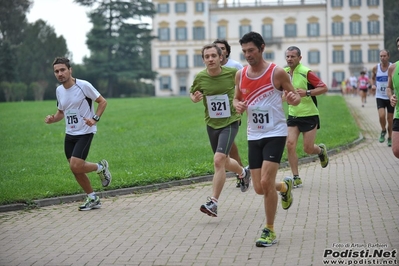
209 46
62 60
362 72
294 48
254 37
223 41
385 51
397 40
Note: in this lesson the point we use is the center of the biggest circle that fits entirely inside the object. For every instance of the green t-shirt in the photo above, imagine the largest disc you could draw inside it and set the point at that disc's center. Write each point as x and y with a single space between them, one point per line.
395 84
223 86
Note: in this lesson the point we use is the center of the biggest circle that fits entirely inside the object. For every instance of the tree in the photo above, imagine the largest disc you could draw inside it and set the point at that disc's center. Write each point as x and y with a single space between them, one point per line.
12 24
39 48
13 19
118 43
5 86
391 14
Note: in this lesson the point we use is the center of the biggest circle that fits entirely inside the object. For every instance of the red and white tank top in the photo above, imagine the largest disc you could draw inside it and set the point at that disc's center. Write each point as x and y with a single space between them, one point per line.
266 117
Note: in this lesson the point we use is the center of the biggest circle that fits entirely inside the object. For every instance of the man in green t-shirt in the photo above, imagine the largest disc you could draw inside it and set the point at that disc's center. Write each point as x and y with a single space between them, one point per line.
303 118
215 86
393 91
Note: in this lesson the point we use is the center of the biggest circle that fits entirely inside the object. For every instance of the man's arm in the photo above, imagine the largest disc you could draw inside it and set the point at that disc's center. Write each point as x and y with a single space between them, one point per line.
391 94
102 104
319 86
58 116
238 102
283 81
373 78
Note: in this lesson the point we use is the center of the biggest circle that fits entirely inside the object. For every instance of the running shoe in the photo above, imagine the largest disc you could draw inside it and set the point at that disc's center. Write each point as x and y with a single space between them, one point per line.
297 182
90 204
382 136
105 174
323 156
210 208
389 142
245 181
286 197
267 238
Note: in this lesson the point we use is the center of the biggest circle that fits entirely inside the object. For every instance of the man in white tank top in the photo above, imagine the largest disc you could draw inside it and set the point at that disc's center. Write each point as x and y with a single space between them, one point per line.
379 81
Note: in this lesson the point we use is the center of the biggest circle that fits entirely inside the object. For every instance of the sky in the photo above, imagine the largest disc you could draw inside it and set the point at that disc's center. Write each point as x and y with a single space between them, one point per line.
68 19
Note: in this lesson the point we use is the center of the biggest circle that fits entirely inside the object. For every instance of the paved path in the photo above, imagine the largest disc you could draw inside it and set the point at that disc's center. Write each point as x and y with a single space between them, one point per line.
353 201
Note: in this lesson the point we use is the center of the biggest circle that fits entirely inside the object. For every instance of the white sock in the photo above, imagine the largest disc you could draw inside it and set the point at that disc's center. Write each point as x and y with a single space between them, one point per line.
214 200
243 174
92 195
99 168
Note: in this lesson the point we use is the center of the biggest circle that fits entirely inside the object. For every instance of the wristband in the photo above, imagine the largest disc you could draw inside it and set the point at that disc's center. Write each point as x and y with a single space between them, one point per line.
96 118
308 93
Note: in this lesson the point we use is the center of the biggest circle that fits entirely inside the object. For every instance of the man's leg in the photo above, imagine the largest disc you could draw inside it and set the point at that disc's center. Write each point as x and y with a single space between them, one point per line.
219 178
395 143
264 181
234 154
382 118
79 168
308 142
292 141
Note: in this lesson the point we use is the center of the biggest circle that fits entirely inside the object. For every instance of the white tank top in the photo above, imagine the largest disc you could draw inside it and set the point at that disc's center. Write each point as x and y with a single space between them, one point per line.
381 83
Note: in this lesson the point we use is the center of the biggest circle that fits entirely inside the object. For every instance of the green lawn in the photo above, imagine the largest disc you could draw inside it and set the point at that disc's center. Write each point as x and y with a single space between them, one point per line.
145 140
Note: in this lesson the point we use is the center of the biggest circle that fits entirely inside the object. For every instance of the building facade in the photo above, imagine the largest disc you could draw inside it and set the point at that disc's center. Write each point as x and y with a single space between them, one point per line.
336 37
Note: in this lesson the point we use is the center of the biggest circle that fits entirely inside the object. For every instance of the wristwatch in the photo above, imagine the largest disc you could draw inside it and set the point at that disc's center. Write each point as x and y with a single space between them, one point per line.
96 118
308 93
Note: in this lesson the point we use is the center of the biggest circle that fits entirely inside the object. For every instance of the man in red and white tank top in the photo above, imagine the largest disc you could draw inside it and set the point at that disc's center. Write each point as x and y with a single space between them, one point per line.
259 90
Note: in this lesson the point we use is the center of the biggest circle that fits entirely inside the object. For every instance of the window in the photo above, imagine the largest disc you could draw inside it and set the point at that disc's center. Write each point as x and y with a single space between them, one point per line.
198 33
163 34
356 56
338 57
180 7
373 2
313 30
336 3
267 31
313 57
164 61
317 73
244 29
222 32
374 56
268 55
198 60
355 28
355 2
165 83
181 34
337 28
373 27
199 7
181 61
183 85
290 30
163 8
339 76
